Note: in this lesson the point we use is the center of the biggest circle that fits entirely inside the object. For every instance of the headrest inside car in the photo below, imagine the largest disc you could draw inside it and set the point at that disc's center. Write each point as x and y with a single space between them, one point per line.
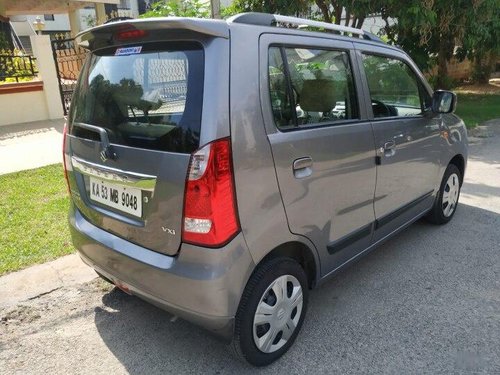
317 95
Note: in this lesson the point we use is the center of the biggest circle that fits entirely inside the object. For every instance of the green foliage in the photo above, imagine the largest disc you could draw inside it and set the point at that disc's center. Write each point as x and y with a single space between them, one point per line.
231 10
4 41
90 20
438 28
16 68
178 8
276 7
446 81
483 32
475 109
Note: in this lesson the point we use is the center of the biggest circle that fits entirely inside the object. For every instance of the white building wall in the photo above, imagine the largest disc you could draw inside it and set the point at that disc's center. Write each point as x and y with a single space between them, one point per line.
13 113
23 25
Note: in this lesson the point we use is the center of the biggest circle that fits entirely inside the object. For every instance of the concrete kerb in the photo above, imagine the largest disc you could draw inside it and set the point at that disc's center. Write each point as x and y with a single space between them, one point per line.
42 279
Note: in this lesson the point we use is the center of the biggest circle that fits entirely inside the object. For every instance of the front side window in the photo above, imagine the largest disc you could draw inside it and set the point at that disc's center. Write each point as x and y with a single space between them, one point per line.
310 87
147 96
394 88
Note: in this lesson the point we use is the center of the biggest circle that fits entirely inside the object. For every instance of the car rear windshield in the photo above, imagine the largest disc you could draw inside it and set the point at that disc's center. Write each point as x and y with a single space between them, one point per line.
146 96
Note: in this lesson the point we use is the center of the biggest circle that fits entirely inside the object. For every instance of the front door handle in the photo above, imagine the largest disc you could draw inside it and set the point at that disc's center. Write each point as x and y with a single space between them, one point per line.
302 167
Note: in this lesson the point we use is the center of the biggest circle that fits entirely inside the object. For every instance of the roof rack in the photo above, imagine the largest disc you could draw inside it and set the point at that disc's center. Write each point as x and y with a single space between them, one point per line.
266 19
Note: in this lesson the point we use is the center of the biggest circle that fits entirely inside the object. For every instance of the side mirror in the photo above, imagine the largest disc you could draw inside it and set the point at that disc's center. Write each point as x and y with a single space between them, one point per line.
444 101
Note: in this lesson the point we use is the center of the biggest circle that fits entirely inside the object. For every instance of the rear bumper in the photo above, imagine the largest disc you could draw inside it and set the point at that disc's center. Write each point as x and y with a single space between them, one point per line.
200 285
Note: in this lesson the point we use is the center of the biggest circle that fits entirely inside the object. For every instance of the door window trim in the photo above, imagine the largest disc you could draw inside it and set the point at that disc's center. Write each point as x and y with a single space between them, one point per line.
317 125
420 85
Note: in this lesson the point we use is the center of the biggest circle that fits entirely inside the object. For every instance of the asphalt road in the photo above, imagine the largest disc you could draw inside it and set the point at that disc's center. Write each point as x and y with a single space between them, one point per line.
428 301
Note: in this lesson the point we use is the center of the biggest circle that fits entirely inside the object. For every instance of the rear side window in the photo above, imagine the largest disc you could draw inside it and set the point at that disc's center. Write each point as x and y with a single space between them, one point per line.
395 90
310 87
147 96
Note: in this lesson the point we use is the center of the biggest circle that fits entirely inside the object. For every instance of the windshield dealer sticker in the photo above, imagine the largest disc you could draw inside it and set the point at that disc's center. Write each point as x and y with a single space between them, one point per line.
128 51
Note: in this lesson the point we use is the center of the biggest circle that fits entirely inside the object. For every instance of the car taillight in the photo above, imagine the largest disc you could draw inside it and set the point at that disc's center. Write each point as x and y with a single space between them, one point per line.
65 132
210 215
130 33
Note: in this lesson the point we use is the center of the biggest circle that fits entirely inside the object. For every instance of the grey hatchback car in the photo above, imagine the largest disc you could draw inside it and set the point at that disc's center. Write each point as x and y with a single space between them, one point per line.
221 169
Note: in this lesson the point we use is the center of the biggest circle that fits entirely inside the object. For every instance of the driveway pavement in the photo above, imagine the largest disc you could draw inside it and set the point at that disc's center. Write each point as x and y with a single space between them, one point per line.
426 302
30 145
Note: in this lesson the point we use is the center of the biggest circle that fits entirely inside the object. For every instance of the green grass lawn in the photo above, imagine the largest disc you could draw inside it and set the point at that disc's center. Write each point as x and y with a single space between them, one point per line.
33 212
477 108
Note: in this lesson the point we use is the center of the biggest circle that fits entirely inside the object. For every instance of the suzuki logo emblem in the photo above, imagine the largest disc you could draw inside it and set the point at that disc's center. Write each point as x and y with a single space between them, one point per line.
168 230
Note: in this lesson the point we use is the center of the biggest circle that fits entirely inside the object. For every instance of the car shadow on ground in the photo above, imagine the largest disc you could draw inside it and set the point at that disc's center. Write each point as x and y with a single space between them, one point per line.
416 304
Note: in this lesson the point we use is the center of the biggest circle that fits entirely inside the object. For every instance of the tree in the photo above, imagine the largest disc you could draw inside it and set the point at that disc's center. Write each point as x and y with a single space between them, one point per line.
330 10
354 11
481 41
437 28
179 8
215 8
290 8
5 43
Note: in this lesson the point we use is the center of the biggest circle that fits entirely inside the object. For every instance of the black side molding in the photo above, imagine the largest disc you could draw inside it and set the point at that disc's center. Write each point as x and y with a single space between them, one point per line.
367 230
394 214
351 238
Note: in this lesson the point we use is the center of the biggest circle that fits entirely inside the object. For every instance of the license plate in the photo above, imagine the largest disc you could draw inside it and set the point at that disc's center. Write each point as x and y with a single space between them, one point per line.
122 198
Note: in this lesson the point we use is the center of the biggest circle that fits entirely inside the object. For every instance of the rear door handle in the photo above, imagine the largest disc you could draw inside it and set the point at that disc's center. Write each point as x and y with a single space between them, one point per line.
389 148
302 167
390 145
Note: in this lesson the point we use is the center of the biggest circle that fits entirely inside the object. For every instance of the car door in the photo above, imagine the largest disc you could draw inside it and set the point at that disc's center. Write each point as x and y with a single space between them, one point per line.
322 142
407 137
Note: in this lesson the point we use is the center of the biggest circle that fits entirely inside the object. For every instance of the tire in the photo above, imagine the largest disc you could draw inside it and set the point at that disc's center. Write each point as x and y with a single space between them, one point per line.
264 343
446 201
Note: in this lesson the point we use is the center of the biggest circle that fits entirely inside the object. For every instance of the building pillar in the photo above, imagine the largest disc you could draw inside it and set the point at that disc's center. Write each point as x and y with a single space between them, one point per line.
134 9
100 13
42 50
74 22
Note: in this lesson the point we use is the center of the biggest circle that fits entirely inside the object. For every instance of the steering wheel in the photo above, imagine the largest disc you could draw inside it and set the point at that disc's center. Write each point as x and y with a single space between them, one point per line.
384 110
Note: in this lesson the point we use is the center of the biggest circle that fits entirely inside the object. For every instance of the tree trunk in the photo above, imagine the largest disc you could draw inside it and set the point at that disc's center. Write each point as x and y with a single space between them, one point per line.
482 67
442 81
360 22
215 6
323 7
338 13
347 16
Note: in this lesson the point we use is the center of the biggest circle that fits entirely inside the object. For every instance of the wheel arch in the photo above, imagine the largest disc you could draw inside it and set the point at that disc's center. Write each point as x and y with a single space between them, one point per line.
301 253
459 161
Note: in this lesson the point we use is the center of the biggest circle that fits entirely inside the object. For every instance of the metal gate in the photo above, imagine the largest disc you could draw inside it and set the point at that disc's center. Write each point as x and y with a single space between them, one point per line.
68 58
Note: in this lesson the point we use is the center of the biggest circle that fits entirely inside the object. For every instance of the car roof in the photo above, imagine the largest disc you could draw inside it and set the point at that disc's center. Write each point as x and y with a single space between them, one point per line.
262 22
